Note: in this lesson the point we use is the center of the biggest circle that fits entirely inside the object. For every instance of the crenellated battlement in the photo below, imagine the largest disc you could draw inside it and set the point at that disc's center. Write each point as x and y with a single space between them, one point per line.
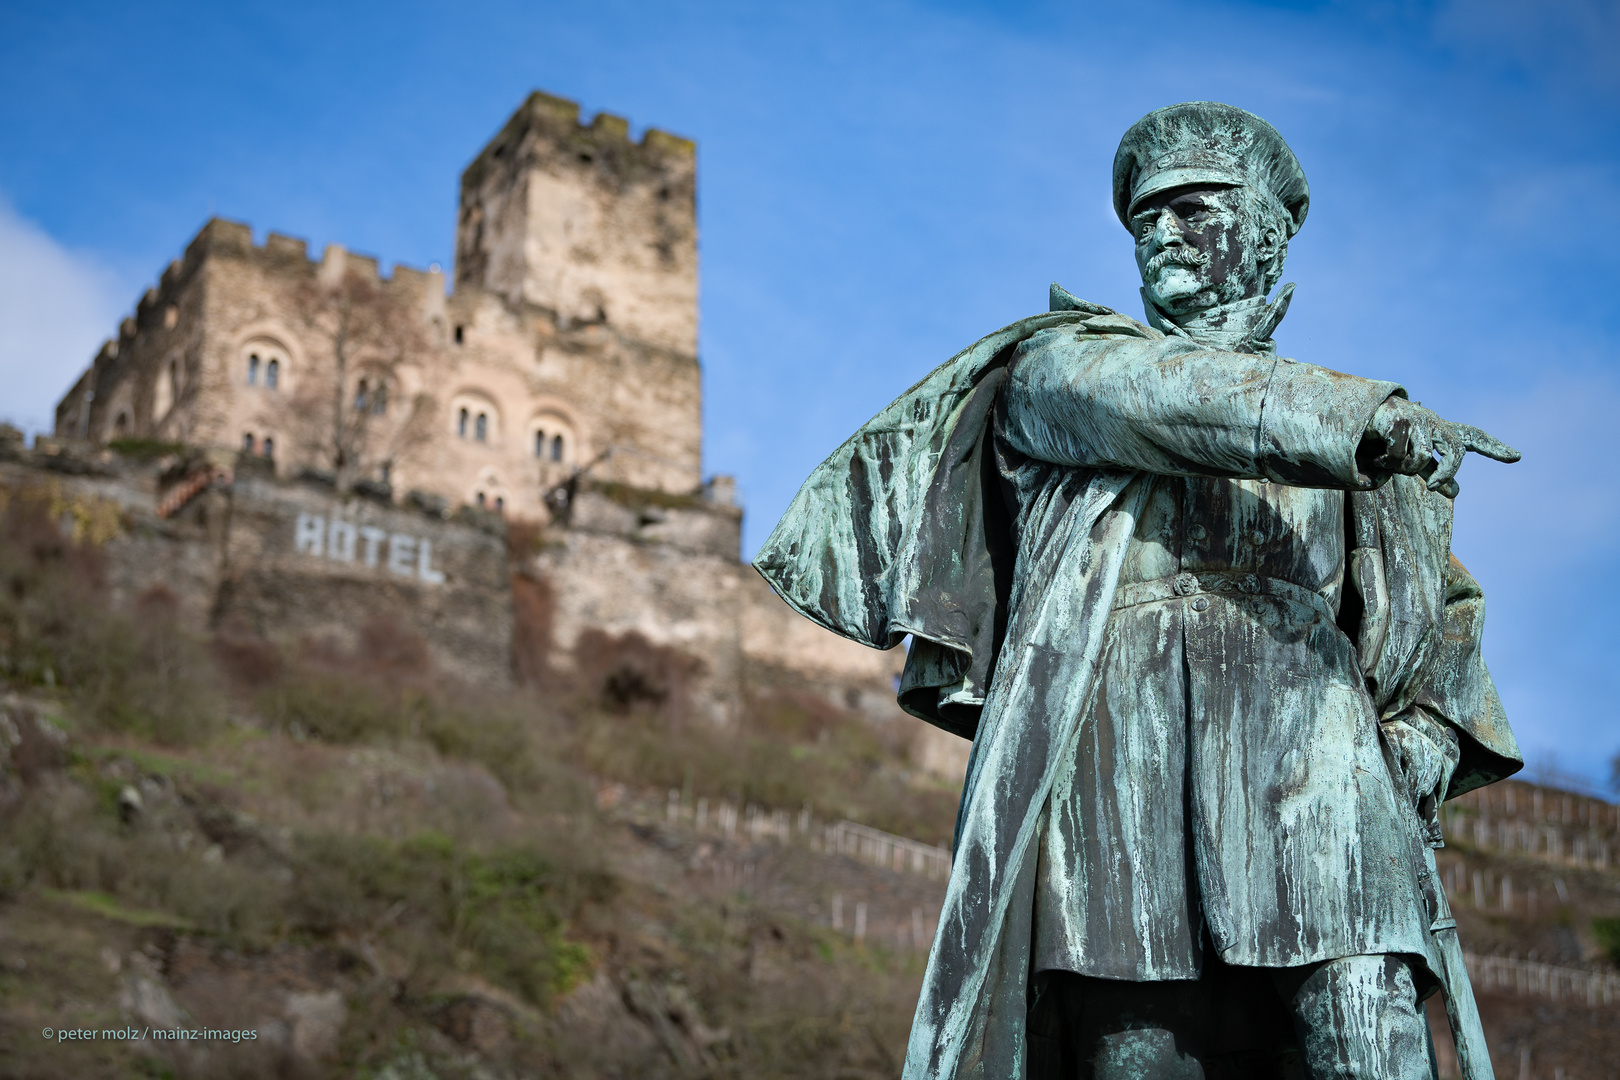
279 255
545 125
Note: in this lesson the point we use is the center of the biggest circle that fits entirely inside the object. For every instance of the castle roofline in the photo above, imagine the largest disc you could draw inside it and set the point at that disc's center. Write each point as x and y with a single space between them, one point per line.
558 118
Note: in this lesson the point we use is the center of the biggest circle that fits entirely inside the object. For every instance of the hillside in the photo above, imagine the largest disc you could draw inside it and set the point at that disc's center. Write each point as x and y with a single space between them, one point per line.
383 872
379 871
1533 879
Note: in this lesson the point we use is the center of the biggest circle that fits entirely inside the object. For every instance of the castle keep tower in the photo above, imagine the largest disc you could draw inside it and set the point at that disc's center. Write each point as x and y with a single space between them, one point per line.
580 221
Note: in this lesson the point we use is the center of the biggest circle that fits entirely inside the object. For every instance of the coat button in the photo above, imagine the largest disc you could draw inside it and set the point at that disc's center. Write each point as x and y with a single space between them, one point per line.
1200 603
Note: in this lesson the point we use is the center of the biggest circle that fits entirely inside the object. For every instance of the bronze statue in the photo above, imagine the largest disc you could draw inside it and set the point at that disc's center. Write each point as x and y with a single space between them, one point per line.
1195 605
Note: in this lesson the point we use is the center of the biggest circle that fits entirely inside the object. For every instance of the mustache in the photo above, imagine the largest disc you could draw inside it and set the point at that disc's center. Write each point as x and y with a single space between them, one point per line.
1178 256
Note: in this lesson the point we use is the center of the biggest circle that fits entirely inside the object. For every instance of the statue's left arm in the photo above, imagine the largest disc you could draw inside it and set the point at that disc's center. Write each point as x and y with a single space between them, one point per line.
1454 700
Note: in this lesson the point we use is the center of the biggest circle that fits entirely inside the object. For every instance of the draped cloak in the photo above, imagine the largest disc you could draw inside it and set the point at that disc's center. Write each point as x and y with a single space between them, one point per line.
900 532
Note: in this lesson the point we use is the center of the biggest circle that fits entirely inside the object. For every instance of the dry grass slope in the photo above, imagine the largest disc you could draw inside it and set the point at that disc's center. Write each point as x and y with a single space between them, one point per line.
387 874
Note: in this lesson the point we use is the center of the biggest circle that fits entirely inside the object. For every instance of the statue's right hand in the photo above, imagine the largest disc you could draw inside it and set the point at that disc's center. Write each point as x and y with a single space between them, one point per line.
1404 437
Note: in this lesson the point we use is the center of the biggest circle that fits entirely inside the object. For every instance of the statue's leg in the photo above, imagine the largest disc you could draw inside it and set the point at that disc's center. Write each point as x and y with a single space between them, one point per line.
1050 1028
1358 1018
1143 1031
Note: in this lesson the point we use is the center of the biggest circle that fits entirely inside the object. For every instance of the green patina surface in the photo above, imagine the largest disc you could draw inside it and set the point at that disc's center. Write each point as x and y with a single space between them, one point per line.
1195 606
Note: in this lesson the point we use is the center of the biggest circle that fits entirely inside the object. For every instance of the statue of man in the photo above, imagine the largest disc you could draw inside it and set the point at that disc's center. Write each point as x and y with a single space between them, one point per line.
1195 605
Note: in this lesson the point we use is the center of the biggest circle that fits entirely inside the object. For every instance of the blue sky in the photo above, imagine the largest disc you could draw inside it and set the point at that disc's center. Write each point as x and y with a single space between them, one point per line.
881 182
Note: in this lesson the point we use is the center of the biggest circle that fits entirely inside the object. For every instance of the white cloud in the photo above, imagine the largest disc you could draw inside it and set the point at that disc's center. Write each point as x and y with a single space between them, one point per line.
56 307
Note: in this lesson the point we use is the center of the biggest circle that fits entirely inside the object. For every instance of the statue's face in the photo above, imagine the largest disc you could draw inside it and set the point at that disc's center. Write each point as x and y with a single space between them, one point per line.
1197 248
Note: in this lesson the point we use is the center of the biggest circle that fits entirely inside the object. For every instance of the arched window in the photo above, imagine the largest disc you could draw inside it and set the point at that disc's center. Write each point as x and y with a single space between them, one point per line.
477 419
379 399
269 447
121 425
360 400
264 362
500 504
553 438
480 500
247 442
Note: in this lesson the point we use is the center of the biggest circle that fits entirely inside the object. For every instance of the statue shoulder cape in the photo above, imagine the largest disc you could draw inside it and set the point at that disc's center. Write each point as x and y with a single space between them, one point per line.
887 537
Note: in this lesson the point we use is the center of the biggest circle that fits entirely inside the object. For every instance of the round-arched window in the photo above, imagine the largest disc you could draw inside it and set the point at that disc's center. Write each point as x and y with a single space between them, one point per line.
371 395
553 439
475 417
488 493
264 364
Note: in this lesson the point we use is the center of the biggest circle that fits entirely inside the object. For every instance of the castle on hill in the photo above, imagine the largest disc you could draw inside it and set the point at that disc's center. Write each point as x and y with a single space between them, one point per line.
296 450
568 343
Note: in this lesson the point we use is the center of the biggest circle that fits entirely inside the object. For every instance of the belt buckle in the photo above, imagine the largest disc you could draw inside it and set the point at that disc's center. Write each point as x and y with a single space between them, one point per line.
1186 584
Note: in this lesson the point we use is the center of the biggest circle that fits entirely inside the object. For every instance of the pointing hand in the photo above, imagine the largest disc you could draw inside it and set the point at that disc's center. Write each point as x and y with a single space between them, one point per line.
1406 438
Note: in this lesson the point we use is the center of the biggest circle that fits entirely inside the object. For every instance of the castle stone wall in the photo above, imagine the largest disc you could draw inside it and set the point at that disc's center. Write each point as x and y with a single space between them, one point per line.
570 342
288 561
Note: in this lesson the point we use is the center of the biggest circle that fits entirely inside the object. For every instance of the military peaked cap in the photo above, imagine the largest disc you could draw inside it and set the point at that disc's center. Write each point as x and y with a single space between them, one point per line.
1206 142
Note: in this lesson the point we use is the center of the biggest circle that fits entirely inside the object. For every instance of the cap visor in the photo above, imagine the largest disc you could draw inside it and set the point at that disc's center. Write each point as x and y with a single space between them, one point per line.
1167 179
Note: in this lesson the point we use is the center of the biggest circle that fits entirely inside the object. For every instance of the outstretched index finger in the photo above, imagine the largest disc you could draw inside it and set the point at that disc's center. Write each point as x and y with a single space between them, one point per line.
1481 442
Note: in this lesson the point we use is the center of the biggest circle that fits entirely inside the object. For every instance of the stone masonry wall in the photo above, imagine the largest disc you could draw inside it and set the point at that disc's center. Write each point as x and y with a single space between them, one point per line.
247 552
304 563
289 561
180 372
668 570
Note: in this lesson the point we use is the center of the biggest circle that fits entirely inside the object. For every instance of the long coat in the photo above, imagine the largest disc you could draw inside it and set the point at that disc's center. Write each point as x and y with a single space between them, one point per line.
900 532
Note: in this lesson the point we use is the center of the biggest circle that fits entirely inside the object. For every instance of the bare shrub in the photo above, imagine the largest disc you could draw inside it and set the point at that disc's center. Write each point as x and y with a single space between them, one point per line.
628 673
37 750
314 701
534 606
389 650
144 671
245 657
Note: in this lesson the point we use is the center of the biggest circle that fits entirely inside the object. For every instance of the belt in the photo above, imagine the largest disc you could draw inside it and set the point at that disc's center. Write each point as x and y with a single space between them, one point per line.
1231 584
